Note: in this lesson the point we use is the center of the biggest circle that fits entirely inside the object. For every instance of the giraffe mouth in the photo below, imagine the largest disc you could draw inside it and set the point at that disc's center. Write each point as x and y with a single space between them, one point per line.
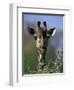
42 49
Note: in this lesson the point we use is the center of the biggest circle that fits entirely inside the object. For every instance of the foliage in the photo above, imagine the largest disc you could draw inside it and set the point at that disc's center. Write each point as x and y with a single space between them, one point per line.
53 64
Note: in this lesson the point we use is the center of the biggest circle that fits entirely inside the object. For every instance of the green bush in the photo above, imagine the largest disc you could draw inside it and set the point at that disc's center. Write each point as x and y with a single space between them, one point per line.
53 65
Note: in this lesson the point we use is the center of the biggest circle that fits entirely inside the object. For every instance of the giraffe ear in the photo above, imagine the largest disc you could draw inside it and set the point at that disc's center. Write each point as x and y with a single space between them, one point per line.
31 31
52 31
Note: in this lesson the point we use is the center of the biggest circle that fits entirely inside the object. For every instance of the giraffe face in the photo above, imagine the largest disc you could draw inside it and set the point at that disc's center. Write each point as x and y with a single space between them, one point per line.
41 36
41 42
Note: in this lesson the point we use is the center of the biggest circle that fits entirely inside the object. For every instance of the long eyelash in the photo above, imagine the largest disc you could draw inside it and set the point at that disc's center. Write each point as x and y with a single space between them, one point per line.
35 37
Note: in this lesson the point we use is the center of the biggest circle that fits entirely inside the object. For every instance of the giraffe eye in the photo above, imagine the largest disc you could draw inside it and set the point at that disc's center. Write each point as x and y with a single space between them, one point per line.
35 37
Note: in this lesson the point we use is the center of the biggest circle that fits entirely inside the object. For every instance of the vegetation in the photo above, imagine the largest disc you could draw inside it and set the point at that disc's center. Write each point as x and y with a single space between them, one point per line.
54 60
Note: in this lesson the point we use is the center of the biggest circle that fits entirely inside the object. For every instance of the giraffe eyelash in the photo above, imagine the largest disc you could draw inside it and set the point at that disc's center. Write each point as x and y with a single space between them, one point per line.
35 37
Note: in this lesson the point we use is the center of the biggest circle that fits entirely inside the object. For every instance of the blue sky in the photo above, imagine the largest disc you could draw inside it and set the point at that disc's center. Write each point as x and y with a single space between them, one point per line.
52 20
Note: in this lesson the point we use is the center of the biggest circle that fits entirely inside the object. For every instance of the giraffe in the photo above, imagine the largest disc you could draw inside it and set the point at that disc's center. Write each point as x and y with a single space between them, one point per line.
41 35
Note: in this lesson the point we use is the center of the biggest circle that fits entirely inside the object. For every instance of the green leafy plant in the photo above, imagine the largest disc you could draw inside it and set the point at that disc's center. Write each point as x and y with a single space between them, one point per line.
54 63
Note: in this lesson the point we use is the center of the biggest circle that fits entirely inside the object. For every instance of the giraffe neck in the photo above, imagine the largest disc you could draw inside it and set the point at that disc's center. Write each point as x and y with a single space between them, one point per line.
41 59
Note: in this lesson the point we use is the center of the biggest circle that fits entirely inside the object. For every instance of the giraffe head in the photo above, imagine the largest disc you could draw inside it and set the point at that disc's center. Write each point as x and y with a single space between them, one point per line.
42 35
